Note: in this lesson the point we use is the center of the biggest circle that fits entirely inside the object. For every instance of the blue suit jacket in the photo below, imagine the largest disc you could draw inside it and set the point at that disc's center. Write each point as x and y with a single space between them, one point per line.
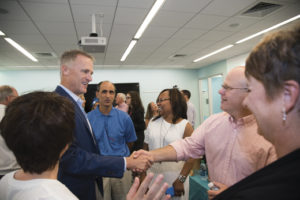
82 165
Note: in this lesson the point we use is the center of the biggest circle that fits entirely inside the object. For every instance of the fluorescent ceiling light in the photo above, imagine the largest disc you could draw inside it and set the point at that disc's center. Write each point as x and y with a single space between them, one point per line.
1 33
213 53
268 29
149 18
21 49
128 50
142 28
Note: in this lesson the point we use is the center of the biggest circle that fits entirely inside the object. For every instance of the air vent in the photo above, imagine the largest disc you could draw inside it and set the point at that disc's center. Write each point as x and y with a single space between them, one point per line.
261 9
177 56
45 55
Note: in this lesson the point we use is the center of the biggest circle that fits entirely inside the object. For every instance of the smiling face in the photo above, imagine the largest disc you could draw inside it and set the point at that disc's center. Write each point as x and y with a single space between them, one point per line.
233 92
267 112
76 74
164 104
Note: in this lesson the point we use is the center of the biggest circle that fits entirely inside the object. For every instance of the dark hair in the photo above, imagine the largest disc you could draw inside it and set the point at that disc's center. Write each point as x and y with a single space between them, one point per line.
136 103
100 83
275 59
187 93
178 104
37 127
71 55
149 112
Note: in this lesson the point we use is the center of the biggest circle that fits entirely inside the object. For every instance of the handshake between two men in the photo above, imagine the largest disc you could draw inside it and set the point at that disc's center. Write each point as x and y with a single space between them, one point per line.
139 161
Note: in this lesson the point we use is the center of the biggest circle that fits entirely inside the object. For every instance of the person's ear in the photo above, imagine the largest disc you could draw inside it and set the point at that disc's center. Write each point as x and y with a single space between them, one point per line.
291 94
65 70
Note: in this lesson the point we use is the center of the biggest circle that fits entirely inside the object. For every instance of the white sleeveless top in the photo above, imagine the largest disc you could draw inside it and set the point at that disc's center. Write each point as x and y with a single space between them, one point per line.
161 133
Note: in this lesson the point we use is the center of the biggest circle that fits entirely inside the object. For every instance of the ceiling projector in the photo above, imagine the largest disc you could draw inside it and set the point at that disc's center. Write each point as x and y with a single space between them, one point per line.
93 43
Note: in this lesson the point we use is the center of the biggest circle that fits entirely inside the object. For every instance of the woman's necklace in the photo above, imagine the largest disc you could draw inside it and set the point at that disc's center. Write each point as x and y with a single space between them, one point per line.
164 130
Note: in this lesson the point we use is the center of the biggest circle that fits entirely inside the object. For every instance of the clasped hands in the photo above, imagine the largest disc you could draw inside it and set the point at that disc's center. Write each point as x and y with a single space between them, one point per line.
140 161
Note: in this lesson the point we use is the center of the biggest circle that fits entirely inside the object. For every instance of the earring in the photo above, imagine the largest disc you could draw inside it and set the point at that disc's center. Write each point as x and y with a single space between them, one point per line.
283 114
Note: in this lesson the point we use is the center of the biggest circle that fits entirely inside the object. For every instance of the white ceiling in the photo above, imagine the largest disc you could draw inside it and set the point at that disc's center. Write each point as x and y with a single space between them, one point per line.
190 27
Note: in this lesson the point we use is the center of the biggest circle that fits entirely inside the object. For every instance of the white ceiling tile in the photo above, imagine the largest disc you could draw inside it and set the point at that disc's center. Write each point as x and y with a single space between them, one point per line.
185 6
171 19
237 23
48 12
94 2
136 3
188 33
227 8
215 35
159 32
62 39
46 1
174 44
205 22
59 28
122 34
18 27
83 13
130 15
15 12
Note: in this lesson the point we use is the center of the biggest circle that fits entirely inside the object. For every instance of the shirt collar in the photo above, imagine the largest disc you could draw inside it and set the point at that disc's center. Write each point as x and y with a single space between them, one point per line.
242 121
111 112
74 96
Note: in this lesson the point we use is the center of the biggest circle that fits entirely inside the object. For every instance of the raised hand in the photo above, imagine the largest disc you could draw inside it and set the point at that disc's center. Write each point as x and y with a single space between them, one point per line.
138 164
156 191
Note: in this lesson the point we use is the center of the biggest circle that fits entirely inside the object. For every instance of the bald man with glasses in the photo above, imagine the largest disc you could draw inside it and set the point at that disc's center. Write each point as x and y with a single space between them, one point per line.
230 141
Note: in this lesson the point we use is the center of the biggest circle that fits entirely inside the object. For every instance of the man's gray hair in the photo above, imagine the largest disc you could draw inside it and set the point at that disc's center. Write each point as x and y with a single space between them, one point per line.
5 91
122 96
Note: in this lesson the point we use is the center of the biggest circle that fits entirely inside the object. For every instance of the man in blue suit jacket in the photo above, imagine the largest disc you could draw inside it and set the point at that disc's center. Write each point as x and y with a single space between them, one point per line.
82 166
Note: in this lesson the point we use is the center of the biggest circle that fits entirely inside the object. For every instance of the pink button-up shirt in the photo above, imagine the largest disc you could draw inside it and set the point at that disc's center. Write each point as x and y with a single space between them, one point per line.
233 150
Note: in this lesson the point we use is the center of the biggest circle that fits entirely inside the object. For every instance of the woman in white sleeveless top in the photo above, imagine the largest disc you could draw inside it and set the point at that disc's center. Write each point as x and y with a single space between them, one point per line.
169 126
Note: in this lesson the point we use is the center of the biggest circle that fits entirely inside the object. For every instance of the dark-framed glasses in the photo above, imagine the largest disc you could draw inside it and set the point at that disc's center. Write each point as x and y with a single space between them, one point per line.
161 100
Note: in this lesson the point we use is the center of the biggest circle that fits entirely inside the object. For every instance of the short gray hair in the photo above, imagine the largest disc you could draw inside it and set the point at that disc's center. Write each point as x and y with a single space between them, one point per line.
122 96
5 91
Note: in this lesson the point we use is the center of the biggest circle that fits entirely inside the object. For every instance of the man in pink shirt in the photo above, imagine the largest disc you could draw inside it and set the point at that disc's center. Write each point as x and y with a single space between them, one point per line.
120 101
230 141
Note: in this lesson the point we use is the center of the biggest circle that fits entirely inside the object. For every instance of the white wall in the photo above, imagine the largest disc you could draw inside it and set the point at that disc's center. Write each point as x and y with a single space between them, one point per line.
151 81
239 60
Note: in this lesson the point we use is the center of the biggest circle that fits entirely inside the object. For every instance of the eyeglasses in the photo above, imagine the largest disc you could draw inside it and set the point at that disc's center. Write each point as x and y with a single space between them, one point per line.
128 97
161 100
226 88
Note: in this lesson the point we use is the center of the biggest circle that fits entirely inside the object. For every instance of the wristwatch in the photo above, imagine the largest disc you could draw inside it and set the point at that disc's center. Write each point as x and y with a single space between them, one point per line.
181 178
